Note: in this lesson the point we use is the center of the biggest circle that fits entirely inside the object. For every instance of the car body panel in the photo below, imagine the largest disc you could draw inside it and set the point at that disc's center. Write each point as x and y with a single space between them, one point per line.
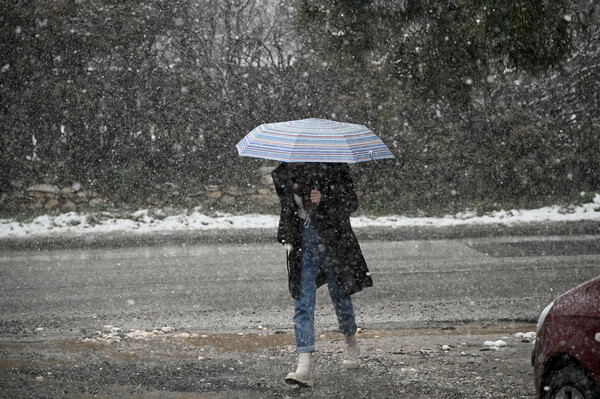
570 331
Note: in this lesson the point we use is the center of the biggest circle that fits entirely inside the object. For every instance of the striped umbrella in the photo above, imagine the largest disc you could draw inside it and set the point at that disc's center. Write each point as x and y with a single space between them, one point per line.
313 140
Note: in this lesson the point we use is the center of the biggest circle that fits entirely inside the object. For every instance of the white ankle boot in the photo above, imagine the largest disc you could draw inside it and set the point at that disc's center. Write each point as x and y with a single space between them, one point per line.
351 353
303 374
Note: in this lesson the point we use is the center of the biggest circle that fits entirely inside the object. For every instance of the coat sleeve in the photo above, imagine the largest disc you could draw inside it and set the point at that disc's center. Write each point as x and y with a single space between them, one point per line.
338 192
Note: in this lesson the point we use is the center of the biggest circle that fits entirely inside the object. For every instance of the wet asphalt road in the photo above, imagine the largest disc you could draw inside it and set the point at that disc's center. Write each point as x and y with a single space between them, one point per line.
229 287
231 316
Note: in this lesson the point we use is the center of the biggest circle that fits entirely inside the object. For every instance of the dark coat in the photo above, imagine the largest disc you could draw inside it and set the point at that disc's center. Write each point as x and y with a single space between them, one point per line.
331 219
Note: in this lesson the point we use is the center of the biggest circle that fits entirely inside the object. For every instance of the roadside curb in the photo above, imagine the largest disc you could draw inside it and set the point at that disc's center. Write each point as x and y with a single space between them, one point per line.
123 239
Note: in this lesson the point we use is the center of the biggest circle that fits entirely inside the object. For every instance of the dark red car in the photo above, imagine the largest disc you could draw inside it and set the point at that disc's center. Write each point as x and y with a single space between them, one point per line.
566 357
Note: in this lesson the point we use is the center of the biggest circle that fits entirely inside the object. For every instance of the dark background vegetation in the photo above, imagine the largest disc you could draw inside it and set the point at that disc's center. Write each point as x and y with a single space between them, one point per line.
486 104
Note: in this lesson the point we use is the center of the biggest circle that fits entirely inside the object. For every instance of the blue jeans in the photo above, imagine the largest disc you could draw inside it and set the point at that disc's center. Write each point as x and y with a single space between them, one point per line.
313 257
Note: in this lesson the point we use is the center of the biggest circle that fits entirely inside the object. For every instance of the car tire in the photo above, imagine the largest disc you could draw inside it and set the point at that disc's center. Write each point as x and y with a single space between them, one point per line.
570 383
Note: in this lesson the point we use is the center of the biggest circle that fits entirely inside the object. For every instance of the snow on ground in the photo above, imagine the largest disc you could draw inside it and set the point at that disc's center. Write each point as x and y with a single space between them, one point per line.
144 221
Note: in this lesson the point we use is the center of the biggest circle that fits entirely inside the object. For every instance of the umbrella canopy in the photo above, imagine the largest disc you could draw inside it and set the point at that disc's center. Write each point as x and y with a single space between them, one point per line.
313 140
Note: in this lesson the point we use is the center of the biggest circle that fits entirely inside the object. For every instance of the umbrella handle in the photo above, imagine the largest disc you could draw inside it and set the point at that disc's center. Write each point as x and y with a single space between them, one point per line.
311 211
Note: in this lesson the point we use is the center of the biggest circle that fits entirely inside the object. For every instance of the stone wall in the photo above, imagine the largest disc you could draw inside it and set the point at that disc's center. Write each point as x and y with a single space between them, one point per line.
50 196
46 196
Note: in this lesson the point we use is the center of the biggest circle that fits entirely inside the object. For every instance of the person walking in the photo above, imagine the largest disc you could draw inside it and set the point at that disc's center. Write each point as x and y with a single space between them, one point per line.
316 202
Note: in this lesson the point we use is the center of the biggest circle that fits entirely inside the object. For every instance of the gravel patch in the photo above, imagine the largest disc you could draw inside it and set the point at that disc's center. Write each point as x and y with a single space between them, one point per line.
167 363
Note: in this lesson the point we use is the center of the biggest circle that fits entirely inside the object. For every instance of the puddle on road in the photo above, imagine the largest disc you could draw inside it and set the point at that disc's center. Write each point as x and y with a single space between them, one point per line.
244 342
252 342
